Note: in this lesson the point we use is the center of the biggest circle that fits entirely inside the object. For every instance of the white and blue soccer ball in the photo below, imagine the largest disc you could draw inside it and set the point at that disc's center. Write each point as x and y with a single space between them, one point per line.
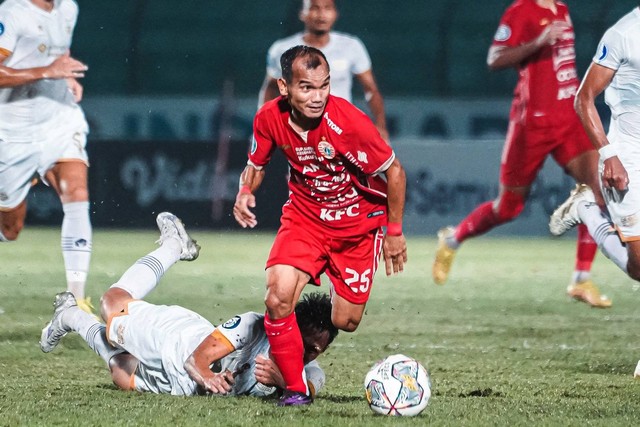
398 385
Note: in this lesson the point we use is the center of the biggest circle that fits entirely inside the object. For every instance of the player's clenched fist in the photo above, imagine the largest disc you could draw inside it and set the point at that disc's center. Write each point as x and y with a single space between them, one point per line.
219 383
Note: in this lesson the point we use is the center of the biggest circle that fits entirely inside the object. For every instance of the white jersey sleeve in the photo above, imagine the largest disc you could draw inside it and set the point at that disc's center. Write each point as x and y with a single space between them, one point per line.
315 376
241 329
611 50
361 61
9 31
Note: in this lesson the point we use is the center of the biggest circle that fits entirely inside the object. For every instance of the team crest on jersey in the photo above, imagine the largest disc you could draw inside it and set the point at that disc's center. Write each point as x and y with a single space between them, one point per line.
326 149
232 323
1 28
502 33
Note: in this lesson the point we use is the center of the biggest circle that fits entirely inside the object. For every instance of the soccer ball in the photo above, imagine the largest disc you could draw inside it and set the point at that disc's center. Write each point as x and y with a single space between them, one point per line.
397 385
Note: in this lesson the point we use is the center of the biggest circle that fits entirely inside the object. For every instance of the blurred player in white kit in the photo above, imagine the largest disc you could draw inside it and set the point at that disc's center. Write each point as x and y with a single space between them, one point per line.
347 56
43 131
172 350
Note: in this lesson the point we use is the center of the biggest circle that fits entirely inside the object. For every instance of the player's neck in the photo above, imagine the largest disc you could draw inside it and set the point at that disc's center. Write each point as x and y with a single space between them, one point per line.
300 123
548 4
46 5
316 40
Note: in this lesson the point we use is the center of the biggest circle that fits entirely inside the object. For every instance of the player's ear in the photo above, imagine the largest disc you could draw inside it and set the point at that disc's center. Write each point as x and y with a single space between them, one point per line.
282 87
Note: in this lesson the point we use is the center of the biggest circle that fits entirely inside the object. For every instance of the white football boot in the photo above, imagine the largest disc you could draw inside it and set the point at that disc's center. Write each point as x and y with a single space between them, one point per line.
55 329
565 217
171 227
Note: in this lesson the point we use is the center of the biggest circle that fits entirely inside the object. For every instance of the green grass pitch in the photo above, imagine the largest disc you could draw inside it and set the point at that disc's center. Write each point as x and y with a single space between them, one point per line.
503 344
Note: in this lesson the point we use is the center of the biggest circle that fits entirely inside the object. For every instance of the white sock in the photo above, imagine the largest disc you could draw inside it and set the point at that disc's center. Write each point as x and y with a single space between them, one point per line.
76 245
143 276
91 330
2 238
604 234
580 276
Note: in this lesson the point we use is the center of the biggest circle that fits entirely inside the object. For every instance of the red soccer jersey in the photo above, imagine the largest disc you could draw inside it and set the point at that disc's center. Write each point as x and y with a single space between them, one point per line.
335 182
548 80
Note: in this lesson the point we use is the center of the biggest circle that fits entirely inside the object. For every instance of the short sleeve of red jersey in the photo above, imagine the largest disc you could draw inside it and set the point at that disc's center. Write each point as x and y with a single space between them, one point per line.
611 51
364 147
263 141
512 30
8 33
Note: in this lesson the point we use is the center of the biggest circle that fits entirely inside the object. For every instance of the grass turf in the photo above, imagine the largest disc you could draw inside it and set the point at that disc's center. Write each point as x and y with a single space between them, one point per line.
503 344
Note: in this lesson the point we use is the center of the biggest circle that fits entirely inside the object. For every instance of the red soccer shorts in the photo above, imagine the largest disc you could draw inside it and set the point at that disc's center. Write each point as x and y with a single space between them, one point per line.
528 145
349 262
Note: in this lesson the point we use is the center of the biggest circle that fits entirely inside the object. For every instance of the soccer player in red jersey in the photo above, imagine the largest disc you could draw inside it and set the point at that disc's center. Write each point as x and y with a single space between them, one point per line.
337 204
536 37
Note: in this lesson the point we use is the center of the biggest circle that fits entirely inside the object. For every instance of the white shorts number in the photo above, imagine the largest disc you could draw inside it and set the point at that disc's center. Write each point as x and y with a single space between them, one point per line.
358 282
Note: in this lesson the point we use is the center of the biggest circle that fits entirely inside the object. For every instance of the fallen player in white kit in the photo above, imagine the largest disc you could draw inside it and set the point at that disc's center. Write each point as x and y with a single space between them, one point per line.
172 350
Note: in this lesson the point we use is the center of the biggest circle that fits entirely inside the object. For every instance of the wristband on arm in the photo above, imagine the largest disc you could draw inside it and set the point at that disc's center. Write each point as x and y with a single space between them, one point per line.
394 229
244 189
607 151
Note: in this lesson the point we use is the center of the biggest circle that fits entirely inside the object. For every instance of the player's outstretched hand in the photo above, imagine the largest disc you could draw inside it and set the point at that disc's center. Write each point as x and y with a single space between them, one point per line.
267 372
395 253
242 210
65 67
219 383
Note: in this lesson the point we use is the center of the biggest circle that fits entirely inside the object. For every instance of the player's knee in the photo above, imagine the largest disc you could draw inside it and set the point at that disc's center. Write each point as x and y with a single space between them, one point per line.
347 324
75 193
277 307
11 231
510 206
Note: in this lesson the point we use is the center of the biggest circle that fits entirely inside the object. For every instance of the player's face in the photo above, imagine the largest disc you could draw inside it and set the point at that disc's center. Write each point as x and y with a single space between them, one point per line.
308 91
315 343
318 15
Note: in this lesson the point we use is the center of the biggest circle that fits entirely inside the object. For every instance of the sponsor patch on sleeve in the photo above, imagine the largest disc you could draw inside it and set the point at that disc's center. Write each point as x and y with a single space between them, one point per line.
603 52
1 28
502 33
232 323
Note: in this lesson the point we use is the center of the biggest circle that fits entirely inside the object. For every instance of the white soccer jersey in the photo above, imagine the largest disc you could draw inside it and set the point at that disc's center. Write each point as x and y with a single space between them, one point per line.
33 37
619 50
346 54
170 334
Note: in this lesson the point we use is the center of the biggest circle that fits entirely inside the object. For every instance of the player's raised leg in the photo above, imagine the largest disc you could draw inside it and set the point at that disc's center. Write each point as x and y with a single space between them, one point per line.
580 207
142 277
483 218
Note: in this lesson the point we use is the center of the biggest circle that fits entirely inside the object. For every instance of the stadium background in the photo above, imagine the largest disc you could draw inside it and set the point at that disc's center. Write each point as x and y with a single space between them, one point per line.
172 88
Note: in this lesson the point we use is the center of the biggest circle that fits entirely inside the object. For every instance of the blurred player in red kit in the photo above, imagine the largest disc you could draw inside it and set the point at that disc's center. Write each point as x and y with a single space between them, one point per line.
536 37
338 202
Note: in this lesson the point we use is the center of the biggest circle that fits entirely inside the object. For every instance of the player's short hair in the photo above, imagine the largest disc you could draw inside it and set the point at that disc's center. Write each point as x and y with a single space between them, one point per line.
305 3
313 59
313 313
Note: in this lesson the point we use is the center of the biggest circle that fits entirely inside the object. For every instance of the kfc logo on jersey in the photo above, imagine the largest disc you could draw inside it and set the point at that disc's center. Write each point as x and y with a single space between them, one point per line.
502 33
337 214
334 127
326 149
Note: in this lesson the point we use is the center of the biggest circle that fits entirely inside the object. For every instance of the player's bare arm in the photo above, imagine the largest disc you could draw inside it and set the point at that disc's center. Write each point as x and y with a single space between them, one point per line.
250 181
62 68
267 372
598 77
375 101
395 244
500 57
197 365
